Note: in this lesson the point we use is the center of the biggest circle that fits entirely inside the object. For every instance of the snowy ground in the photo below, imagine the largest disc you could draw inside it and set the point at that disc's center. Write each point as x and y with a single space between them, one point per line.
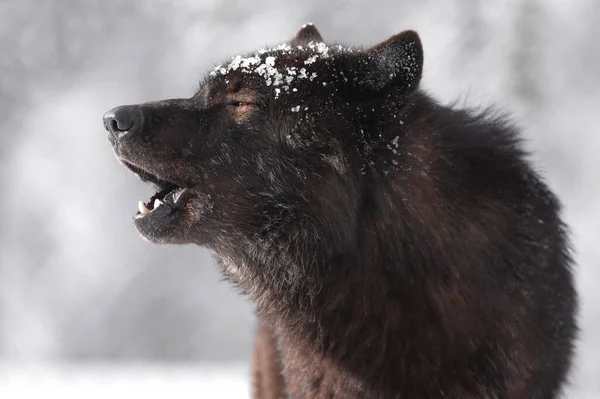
91 381
123 381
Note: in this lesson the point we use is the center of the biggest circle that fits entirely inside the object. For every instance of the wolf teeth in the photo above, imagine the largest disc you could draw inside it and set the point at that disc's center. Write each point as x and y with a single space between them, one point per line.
178 194
157 203
142 207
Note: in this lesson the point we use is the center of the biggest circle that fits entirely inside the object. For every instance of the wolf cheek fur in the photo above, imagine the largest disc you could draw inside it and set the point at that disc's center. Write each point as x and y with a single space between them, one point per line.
394 247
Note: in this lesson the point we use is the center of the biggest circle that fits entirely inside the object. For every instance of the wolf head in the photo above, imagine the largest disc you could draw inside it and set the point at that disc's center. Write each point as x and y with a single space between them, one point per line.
273 144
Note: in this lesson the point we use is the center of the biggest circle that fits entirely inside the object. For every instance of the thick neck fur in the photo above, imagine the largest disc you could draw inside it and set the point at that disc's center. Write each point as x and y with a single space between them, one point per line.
390 297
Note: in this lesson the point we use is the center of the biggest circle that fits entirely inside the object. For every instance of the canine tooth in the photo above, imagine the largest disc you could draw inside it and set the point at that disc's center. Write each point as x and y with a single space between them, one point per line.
178 194
142 207
157 203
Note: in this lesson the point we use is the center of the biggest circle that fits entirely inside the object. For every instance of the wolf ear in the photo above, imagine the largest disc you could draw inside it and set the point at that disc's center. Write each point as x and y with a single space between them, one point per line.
307 33
396 62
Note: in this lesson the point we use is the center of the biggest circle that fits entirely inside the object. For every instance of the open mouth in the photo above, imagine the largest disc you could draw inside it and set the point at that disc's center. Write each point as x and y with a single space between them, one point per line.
166 198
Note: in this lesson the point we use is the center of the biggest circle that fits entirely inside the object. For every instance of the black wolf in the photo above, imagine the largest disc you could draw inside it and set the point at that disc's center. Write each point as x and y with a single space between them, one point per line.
394 247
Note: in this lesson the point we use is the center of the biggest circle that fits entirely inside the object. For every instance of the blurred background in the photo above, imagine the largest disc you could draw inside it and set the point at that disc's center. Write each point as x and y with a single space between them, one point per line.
88 309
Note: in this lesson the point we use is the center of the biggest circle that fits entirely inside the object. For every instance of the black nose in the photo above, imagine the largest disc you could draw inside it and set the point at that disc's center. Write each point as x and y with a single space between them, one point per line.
120 121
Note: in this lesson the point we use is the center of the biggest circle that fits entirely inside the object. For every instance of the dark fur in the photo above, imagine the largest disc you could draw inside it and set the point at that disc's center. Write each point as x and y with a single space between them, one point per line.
394 247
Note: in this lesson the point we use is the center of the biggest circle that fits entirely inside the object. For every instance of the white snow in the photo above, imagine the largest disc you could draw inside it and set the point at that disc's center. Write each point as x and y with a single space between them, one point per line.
277 76
311 59
270 61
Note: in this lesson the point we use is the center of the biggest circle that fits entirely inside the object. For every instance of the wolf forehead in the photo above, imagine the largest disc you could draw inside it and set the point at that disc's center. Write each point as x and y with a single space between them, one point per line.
309 63
282 67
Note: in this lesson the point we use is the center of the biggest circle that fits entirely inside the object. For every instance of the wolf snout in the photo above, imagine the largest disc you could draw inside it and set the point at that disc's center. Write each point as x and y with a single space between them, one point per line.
121 121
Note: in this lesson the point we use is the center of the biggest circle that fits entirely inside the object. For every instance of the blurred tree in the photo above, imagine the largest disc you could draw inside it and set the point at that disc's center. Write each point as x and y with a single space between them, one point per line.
526 56
46 46
471 28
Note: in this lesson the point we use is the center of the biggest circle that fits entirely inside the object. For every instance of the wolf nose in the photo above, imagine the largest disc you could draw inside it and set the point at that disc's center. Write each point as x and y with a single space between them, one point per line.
121 120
